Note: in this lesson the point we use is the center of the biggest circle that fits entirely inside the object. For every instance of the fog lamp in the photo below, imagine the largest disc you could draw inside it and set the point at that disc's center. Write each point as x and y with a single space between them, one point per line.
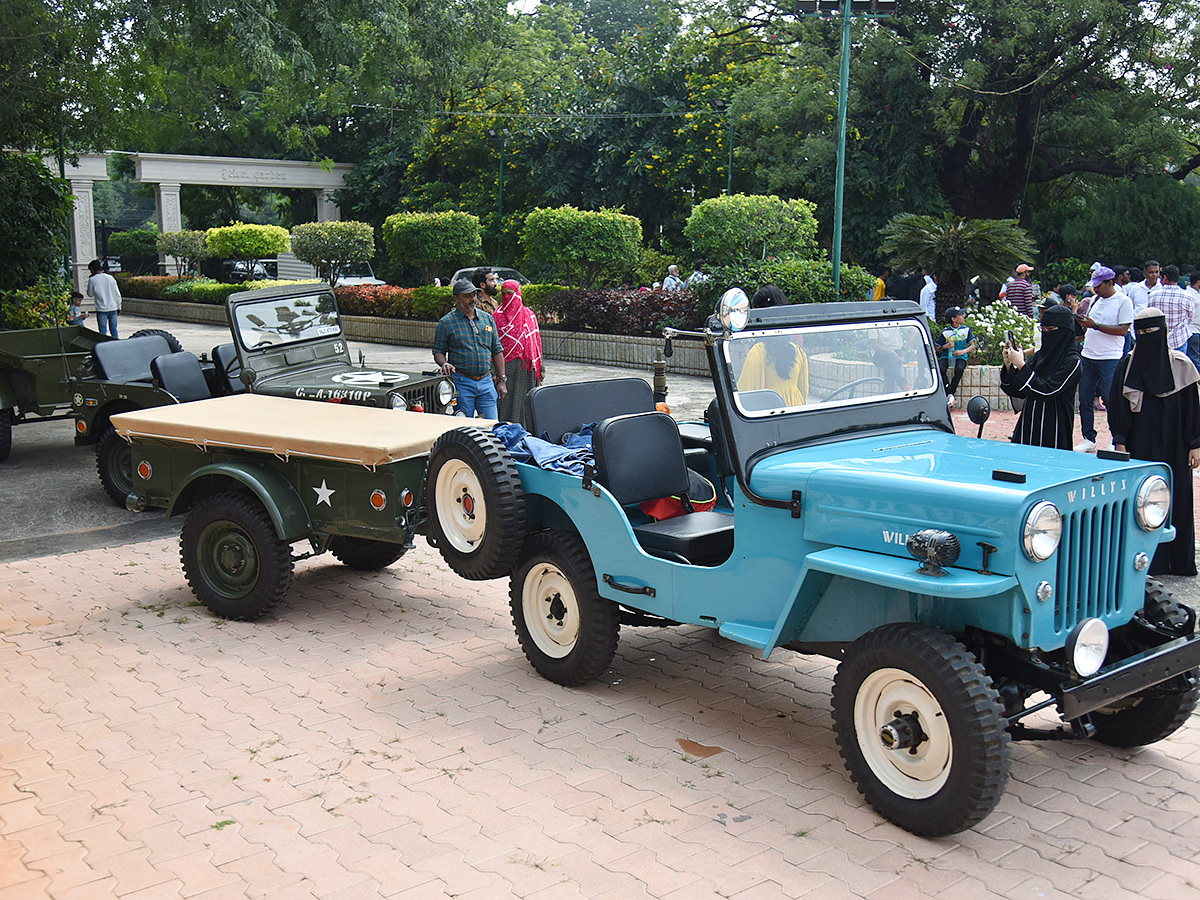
1087 646
934 549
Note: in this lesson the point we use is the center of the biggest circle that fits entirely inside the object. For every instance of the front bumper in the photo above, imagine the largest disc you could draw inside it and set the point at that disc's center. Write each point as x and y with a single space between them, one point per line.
1129 676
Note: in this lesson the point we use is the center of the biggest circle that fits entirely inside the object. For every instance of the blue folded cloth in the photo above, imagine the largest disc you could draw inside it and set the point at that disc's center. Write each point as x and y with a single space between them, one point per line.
569 457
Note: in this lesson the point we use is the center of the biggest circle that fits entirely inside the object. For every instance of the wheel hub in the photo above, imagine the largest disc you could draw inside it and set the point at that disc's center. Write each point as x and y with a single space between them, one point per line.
231 558
468 504
902 733
557 610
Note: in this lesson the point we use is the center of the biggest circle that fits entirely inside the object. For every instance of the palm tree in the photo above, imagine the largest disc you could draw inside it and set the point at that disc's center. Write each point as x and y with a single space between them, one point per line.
956 249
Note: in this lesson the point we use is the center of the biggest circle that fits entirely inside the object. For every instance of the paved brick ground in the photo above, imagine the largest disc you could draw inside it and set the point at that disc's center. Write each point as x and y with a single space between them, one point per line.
382 736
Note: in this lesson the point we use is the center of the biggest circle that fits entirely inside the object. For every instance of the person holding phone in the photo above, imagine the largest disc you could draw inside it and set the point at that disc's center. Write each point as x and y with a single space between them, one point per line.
1107 323
1046 382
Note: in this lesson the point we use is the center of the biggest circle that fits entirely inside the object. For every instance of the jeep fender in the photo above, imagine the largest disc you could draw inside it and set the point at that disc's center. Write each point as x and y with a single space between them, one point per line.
275 492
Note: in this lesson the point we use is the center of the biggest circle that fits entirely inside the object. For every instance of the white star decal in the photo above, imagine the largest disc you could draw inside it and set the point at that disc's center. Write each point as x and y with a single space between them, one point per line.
324 493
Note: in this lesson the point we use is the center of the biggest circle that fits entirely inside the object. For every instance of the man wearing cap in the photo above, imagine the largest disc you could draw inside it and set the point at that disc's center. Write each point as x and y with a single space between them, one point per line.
466 347
1107 322
1020 291
955 344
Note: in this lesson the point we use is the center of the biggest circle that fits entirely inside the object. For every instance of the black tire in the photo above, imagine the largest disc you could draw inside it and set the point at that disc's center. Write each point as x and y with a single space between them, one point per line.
365 554
1158 712
5 433
234 561
955 771
172 341
114 462
567 630
476 504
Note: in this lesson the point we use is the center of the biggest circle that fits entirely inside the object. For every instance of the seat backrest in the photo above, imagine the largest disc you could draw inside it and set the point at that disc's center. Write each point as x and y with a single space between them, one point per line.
640 457
128 360
180 375
720 445
223 356
558 409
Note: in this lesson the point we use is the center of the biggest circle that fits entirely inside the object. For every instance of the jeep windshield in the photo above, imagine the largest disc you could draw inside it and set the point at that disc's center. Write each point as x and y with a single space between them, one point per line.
797 369
281 321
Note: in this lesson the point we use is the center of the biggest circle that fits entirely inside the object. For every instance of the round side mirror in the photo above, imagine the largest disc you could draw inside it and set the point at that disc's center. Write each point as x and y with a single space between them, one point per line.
733 309
978 411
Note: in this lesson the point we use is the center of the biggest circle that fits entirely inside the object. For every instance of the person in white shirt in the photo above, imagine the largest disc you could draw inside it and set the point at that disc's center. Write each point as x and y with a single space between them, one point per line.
1193 345
928 295
1143 292
672 282
106 297
1107 322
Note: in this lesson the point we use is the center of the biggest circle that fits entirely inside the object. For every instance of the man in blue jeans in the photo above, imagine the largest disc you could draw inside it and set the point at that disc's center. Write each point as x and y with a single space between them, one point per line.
466 347
1107 322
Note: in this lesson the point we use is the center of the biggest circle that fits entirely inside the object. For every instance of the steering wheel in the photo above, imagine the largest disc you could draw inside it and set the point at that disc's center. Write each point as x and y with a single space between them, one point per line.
849 388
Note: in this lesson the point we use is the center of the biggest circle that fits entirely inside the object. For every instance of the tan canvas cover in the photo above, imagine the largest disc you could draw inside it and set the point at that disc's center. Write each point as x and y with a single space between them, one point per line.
287 427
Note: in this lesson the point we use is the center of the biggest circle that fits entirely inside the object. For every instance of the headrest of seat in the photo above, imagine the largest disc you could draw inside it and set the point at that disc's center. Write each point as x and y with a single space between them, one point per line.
557 409
640 457
180 375
128 360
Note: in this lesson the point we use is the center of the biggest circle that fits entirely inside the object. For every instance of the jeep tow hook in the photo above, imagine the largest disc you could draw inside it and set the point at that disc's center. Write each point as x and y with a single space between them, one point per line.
136 503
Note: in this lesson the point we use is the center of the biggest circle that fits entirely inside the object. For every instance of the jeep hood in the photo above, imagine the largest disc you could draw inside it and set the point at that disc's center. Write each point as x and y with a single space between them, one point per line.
871 493
335 381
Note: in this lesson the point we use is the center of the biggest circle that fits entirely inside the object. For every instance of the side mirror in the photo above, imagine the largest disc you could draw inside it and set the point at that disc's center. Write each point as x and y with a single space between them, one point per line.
978 411
247 377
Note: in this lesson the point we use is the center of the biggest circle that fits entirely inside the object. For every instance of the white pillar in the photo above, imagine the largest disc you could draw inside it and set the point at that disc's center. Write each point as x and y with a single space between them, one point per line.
170 218
327 208
83 232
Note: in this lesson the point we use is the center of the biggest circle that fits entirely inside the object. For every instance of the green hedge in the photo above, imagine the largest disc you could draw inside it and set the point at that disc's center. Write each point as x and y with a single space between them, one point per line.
803 280
34 307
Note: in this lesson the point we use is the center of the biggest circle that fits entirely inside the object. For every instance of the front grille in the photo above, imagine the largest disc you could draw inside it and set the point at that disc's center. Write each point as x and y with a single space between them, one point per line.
1089 581
423 396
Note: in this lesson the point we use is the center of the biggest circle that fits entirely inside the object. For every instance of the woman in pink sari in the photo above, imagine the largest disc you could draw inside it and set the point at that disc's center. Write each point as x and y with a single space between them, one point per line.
522 343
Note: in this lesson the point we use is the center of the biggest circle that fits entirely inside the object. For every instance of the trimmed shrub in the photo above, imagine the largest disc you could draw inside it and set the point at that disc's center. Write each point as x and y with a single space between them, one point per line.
189 247
375 300
624 312
430 303
135 242
432 242
248 242
331 246
728 229
39 306
803 280
584 246
147 287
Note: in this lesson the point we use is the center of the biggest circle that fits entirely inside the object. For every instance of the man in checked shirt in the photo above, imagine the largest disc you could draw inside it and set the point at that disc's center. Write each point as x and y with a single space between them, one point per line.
1177 305
466 347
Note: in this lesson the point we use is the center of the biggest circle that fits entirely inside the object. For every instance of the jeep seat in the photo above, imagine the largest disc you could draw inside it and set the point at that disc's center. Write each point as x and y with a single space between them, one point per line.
180 375
640 457
558 409
128 360
224 356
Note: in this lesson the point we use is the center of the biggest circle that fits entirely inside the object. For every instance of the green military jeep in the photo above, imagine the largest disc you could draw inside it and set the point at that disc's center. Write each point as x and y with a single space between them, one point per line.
287 342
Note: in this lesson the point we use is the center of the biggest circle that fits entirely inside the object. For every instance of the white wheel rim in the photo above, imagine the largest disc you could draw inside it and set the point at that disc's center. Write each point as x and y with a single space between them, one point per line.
915 773
461 509
550 610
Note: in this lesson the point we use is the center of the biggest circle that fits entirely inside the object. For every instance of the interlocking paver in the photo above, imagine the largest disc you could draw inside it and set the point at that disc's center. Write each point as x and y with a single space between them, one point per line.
381 736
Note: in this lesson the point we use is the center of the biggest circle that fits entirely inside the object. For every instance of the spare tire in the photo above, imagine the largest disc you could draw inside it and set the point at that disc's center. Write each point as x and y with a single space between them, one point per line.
476 504
172 341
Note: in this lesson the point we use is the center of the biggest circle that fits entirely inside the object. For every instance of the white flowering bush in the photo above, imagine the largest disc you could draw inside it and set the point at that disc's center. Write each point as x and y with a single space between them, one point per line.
990 325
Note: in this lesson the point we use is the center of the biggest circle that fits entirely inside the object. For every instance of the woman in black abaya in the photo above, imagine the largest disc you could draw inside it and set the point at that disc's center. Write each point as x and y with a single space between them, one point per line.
1046 382
1154 413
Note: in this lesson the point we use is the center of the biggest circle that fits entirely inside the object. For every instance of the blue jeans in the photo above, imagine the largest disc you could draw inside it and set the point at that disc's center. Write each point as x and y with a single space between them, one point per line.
1192 349
1094 373
475 396
106 321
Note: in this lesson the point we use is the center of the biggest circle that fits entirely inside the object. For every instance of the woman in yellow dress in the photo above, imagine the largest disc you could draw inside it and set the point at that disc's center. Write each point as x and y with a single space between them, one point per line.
776 364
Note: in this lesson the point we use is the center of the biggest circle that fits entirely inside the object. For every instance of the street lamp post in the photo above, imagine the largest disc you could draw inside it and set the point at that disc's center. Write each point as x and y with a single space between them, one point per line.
503 135
873 9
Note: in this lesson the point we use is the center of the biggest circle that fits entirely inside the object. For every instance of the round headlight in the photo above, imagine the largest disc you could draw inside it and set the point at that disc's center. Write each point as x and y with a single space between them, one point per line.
1043 529
397 401
1087 646
733 309
445 393
1153 502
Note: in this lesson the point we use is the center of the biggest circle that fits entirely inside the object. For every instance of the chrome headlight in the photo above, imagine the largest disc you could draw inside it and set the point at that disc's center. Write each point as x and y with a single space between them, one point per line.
1087 646
1153 502
1043 530
445 393
733 309
397 401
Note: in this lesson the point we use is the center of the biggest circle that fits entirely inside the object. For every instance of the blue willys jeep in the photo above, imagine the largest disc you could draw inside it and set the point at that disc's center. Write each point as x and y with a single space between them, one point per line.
956 581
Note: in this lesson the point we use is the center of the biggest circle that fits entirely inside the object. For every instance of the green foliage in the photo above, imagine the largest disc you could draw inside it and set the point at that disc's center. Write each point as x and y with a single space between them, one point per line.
191 290
383 300
1069 269
248 242
148 287
1130 221
137 242
430 303
652 266
582 245
432 242
990 325
331 246
40 306
625 312
956 249
802 280
35 209
731 228
189 247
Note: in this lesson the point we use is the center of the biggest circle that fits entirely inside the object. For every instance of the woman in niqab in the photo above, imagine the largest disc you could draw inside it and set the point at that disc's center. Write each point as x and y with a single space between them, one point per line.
1047 382
1154 413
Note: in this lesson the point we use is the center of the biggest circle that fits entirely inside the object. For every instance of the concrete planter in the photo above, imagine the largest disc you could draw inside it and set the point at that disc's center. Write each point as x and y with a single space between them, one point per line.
570 346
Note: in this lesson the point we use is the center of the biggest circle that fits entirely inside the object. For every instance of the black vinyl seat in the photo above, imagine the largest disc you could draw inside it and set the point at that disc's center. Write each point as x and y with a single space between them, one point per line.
640 457
559 409
180 375
224 356
129 360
